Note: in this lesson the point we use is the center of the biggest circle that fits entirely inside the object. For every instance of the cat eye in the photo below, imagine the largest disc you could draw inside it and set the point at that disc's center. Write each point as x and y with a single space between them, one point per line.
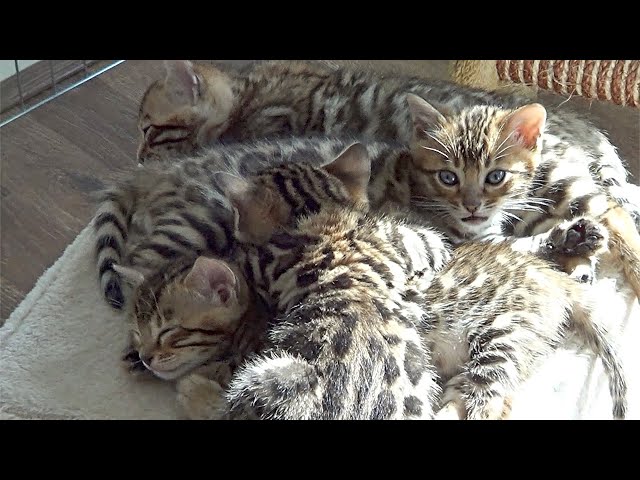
495 177
448 177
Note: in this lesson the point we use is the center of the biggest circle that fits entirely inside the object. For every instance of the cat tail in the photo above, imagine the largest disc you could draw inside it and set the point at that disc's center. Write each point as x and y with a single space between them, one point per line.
111 224
276 386
597 338
624 243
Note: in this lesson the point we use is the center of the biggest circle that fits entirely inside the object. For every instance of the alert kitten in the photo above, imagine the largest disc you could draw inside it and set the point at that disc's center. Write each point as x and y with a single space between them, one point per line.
484 173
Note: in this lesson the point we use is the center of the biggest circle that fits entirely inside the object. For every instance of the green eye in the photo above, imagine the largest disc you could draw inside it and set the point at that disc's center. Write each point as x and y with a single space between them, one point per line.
495 177
448 177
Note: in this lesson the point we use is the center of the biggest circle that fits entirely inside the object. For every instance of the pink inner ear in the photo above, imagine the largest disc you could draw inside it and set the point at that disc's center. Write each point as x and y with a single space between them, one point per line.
526 124
209 275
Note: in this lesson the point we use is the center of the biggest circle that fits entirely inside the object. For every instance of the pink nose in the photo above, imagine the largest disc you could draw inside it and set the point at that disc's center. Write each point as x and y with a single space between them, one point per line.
471 208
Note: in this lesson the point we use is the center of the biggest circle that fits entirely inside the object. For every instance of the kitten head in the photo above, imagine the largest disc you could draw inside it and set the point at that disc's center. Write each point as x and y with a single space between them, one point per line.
188 109
472 166
280 195
185 316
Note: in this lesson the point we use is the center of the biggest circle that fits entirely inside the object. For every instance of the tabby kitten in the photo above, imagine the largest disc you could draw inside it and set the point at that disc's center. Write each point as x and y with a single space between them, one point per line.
195 105
352 290
153 232
167 211
196 317
485 168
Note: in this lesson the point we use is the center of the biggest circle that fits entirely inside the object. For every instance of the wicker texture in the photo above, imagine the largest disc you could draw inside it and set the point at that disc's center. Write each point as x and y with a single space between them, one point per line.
616 81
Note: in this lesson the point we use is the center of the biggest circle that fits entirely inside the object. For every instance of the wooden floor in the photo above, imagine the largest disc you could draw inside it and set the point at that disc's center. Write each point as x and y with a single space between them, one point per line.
56 156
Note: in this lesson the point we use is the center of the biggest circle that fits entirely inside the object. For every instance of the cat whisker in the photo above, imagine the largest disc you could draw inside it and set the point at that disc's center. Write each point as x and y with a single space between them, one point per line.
437 140
503 142
511 215
437 151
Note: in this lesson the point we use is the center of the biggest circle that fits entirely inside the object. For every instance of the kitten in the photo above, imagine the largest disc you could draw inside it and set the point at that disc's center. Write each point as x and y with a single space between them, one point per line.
197 105
151 217
349 299
197 316
485 172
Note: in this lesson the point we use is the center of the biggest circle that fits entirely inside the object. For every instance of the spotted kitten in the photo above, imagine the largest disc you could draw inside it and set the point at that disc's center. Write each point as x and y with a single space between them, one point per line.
196 105
352 291
484 172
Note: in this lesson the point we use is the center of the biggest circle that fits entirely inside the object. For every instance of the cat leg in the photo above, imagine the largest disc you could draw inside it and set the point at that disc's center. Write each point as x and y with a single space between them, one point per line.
501 356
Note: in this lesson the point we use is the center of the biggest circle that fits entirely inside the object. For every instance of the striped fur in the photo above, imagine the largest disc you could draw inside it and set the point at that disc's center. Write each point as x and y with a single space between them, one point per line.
165 211
545 179
281 98
189 320
294 98
352 290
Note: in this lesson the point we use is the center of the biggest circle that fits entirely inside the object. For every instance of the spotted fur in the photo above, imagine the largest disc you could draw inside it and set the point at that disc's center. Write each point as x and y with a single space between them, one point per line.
353 290
197 105
541 179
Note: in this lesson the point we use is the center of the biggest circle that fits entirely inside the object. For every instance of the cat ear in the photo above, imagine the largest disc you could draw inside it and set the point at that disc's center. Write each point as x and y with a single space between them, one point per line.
424 115
130 275
525 125
209 276
258 210
182 81
353 169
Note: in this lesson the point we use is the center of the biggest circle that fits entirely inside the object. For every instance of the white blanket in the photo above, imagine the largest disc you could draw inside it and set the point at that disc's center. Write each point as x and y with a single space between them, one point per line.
60 350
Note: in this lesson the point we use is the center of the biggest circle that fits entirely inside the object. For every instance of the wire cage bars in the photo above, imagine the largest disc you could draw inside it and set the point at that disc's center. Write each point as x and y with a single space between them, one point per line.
43 81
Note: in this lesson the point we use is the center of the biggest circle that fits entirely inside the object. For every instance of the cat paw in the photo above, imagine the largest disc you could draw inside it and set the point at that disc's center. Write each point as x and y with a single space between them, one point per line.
200 397
582 237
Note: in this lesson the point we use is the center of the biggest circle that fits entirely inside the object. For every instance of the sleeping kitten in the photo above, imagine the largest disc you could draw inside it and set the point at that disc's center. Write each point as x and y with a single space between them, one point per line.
484 172
198 315
197 105
352 290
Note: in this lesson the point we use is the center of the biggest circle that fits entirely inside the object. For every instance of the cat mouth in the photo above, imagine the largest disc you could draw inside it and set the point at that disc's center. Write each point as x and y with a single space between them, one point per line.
475 219
172 373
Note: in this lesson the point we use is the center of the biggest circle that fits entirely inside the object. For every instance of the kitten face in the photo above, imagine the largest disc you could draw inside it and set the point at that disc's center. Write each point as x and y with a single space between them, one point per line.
190 106
189 319
474 166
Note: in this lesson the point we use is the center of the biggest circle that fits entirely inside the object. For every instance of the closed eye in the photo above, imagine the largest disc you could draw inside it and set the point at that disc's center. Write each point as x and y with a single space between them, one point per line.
165 332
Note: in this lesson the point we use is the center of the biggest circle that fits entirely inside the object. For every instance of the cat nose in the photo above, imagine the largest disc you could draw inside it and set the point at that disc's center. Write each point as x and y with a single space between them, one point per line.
472 208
